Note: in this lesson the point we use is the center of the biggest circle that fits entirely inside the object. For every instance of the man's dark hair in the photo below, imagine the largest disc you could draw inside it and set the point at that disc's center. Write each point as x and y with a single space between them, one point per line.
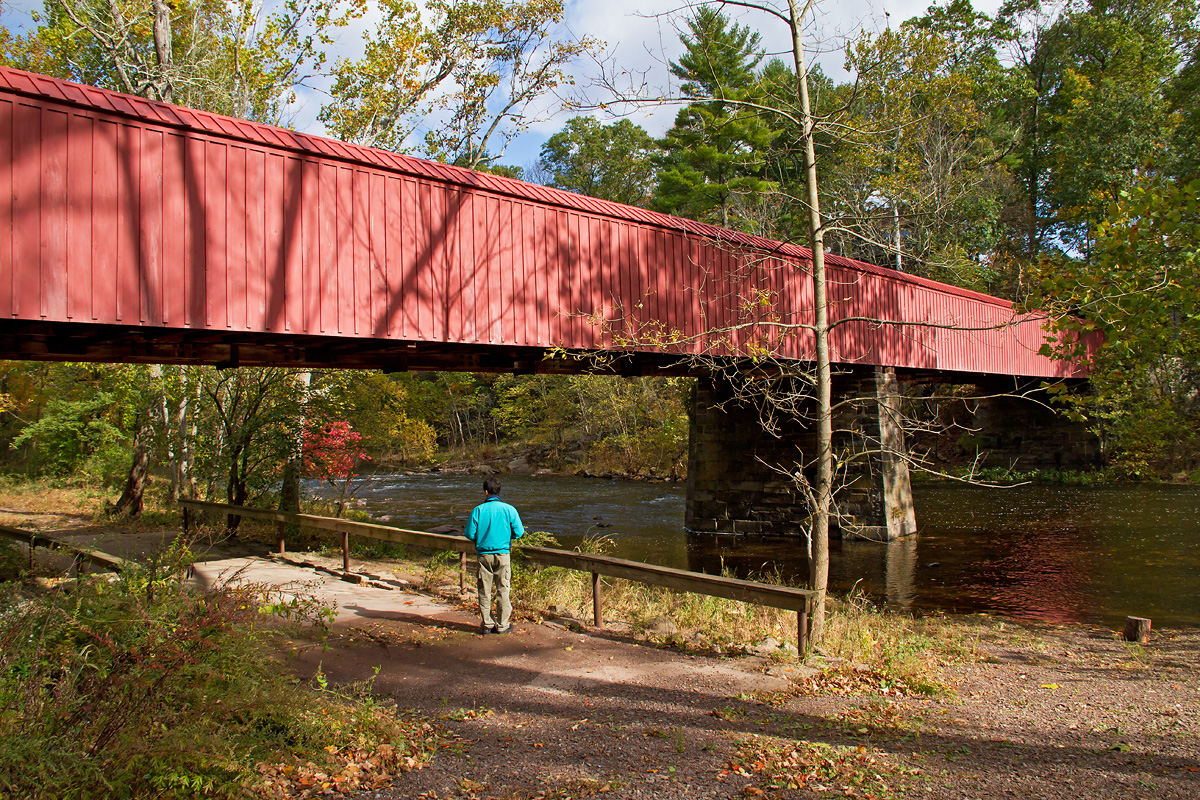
492 485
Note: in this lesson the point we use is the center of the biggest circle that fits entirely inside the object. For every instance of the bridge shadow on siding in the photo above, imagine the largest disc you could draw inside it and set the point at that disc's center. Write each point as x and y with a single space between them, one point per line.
212 237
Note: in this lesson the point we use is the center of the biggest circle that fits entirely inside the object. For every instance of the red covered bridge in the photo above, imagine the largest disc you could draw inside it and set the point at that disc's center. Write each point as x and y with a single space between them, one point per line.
132 230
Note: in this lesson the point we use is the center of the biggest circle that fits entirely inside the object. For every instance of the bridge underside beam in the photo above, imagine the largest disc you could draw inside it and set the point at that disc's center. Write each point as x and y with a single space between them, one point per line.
56 341
77 341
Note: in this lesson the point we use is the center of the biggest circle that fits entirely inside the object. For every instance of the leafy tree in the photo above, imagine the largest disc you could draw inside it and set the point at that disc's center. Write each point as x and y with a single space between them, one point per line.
233 58
1091 107
457 405
381 98
1141 291
246 425
333 452
916 183
72 431
537 407
1184 96
482 64
496 92
637 423
76 419
611 162
372 401
716 150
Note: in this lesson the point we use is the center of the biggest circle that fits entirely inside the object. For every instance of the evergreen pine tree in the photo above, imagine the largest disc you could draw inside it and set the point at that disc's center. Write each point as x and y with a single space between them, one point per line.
714 154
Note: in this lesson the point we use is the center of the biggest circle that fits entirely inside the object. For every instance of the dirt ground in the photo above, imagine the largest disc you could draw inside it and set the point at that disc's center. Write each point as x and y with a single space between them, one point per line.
546 712
553 711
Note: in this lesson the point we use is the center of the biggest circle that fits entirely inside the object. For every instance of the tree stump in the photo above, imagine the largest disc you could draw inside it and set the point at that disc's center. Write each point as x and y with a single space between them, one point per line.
1137 629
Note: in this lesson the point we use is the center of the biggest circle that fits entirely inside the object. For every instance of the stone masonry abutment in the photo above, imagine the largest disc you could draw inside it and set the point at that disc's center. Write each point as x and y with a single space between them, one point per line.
1018 427
740 474
1006 425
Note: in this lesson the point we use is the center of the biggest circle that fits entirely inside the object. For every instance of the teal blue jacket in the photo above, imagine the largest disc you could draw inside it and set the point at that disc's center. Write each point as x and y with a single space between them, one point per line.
493 525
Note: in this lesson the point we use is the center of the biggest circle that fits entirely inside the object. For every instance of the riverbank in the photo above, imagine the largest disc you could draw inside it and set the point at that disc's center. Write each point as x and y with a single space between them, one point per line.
567 711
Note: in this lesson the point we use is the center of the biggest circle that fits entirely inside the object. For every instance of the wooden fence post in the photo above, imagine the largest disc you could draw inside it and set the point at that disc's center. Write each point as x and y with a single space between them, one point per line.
32 544
345 551
462 571
597 600
802 631
281 529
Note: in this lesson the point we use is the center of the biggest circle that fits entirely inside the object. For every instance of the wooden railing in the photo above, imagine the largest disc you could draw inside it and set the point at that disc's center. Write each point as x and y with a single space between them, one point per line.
33 540
763 594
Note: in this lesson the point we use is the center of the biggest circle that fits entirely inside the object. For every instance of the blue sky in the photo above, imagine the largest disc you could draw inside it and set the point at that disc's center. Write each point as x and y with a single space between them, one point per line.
640 35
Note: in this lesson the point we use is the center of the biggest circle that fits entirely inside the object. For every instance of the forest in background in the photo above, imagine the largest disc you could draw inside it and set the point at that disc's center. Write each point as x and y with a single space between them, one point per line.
1049 155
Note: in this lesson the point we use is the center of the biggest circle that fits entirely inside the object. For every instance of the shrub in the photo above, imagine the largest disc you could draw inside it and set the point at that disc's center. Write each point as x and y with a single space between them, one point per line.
142 687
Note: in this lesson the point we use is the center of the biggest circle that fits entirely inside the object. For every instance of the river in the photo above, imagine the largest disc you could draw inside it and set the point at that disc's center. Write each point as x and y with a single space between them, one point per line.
1049 553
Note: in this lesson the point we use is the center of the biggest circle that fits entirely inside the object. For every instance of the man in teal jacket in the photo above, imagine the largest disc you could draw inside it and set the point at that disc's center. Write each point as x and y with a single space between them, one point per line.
492 527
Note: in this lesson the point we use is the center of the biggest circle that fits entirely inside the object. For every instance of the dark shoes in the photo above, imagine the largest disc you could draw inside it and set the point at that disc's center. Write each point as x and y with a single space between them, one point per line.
484 630
505 629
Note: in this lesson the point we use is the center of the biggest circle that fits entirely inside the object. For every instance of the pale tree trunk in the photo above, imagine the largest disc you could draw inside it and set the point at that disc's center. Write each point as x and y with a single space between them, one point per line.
896 240
289 490
823 498
169 439
182 478
193 432
162 50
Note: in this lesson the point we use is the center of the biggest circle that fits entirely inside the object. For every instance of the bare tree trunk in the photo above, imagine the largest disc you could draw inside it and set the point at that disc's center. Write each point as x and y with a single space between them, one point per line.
823 500
182 479
193 432
896 207
165 415
130 501
162 50
289 490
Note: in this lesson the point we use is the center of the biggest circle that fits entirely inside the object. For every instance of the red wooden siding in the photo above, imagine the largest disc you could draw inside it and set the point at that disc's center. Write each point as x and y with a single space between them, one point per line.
116 210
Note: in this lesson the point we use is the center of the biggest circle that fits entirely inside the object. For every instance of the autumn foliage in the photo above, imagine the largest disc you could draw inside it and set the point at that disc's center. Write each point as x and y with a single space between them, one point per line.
333 452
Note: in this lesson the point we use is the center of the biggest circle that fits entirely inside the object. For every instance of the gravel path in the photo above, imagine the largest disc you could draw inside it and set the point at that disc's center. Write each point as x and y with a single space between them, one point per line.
550 712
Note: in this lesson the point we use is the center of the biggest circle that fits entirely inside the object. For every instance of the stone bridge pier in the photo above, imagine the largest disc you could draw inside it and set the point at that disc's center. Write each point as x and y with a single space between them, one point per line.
1014 425
739 474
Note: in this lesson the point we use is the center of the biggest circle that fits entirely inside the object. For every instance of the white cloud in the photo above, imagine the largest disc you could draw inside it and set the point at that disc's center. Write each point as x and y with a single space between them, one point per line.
641 36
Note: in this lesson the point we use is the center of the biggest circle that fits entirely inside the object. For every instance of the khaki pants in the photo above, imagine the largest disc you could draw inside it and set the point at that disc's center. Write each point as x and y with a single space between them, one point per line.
495 571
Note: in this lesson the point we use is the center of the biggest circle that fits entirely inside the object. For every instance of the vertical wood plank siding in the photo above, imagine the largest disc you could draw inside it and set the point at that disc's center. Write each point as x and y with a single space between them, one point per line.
118 210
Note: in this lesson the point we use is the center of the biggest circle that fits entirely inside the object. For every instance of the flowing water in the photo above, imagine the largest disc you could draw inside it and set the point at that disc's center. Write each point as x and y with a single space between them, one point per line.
1052 553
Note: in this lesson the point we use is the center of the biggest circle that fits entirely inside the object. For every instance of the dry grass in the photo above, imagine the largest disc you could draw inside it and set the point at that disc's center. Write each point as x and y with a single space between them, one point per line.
893 651
699 620
911 652
46 505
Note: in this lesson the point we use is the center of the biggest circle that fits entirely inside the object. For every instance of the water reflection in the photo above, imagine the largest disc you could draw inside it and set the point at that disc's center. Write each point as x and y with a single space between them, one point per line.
1048 553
